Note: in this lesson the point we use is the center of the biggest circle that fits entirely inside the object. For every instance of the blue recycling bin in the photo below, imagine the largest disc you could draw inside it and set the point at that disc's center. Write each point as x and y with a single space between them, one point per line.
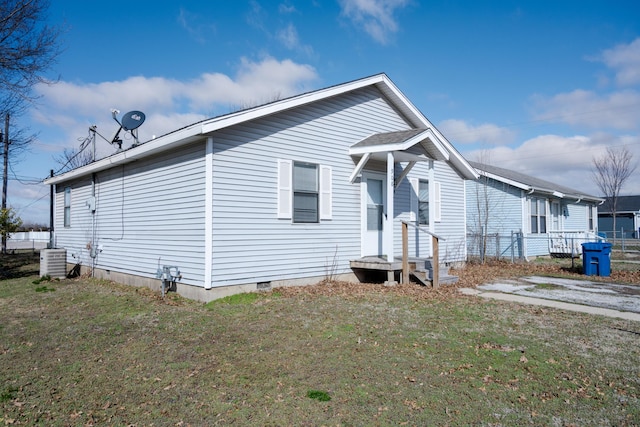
596 259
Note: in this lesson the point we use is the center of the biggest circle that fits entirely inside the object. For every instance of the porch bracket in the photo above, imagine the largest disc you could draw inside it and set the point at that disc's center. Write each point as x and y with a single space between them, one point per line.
358 169
404 173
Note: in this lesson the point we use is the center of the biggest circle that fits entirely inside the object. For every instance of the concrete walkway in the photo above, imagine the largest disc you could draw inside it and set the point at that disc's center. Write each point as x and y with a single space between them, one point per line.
604 299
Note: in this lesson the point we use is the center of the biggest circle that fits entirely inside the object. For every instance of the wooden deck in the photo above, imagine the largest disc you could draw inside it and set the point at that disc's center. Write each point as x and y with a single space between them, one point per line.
420 269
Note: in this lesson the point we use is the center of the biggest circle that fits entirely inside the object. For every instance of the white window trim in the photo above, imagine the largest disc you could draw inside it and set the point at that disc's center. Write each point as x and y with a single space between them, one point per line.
437 202
546 208
285 189
415 187
326 195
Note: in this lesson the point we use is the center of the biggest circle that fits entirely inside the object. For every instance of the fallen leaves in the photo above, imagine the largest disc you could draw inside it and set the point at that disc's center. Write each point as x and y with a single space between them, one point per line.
471 275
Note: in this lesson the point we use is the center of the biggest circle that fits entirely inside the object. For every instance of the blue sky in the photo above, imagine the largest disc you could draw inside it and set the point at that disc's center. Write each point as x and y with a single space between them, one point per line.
536 86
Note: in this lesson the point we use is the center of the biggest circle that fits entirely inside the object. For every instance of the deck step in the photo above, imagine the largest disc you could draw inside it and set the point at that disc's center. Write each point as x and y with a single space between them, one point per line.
422 277
425 278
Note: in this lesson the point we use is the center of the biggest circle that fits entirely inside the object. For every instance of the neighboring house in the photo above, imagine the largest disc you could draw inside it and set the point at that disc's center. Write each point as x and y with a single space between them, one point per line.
285 193
510 214
627 217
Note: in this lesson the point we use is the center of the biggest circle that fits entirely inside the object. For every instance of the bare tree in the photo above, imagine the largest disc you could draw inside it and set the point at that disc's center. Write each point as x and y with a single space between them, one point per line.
28 48
487 199
73 158
610 171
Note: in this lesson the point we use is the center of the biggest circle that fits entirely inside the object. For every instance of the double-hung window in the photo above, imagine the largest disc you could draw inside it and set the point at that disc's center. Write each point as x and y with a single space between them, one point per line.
538 208
67 206
305 192
423 202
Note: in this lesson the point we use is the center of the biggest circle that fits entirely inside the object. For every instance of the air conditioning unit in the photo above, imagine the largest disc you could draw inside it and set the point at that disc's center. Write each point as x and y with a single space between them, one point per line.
53 263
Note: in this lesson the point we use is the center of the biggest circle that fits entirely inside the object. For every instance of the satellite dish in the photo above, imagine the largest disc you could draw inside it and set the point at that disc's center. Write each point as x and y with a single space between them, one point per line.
132 120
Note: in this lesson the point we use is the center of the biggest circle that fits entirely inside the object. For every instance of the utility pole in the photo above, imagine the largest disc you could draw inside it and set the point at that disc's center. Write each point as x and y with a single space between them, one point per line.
5 176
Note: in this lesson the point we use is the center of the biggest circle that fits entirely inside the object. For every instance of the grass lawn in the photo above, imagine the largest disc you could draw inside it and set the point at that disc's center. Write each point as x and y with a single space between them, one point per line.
87 352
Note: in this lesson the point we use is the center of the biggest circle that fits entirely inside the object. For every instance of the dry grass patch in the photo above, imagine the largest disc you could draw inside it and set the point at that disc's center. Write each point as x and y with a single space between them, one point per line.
98 353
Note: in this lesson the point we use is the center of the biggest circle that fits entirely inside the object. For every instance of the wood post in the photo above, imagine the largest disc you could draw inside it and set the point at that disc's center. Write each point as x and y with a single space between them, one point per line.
436 262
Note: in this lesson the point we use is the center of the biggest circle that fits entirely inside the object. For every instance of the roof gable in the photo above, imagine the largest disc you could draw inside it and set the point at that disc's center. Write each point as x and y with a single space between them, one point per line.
201 129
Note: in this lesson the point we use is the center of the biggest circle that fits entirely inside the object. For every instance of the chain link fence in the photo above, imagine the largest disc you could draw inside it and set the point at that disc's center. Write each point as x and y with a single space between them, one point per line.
518 246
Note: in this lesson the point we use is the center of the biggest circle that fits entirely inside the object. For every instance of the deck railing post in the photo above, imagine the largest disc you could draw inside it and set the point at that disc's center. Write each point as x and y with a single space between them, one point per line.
436 262
405 253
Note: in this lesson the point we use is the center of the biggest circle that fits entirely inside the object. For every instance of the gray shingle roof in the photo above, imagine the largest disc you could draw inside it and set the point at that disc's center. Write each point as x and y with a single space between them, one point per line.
625 204
385 138
532 182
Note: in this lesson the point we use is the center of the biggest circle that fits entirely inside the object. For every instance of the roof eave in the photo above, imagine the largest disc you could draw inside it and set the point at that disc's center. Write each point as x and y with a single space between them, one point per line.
166 142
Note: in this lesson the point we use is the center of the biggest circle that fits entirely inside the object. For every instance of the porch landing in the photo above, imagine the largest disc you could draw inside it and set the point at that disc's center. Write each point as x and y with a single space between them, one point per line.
421 269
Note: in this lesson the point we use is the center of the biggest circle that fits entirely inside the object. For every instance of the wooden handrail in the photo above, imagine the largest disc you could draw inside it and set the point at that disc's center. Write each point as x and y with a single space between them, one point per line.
405 253
424 230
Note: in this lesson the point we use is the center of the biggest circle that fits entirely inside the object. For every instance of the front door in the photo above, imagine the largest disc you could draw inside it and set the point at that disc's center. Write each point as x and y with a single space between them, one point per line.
373 210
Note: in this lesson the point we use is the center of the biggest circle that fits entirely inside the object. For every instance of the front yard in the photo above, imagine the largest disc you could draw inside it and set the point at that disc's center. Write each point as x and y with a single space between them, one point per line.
87 352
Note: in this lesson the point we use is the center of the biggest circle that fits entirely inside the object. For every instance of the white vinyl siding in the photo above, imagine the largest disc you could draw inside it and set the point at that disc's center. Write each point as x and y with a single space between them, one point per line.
500 202
148 213
437 202
264 247
151 212
449 208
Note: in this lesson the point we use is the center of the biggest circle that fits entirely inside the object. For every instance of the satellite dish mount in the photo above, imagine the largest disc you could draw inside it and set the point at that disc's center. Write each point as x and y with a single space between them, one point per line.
131 121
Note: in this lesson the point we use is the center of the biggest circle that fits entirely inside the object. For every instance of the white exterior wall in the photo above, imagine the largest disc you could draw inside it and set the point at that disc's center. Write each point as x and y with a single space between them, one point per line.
250 244
452 225
148 212
152 212
577 218
75 237
504 202
506 215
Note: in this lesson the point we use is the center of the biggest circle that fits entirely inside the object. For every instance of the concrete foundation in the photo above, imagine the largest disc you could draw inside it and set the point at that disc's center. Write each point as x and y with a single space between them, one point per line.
198 293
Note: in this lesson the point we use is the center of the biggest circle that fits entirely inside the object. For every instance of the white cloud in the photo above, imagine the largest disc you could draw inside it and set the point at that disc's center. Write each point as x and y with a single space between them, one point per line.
562 160
288 36
375 16
194 25
459 131
625 59
68 109
286 8
618 110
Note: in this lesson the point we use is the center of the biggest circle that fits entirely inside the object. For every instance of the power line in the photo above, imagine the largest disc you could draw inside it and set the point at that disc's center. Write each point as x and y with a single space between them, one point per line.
83 146
25 180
